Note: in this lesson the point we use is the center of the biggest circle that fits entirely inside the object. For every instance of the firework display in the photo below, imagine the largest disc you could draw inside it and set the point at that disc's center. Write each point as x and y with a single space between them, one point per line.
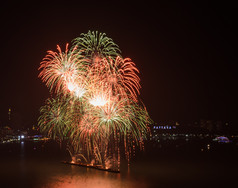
95 107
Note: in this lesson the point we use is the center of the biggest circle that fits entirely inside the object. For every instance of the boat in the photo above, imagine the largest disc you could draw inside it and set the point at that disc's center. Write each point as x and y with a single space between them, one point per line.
222 139
98 167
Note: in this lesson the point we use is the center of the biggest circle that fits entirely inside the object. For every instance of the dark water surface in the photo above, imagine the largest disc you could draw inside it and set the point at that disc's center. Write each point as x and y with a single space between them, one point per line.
186 164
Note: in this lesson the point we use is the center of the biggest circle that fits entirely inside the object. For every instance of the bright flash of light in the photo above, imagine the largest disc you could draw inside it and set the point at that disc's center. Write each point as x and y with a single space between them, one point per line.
98 100
79 92
71 86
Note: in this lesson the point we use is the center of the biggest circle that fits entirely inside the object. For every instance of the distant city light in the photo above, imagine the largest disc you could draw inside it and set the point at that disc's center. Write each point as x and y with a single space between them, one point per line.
164 127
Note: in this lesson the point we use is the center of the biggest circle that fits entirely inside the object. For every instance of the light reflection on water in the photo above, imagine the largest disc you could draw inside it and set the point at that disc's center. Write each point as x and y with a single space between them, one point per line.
21 165
87 181
87 178
33 165
43 174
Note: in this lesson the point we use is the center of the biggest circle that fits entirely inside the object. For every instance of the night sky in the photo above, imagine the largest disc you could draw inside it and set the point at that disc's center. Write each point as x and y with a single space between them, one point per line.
186 53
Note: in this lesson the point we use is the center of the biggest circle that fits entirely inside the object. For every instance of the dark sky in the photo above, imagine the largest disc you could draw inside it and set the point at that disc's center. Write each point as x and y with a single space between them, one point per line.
186 53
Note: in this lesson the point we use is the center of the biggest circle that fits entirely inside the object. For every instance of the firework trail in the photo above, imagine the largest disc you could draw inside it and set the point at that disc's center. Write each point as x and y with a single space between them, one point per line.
96 105
64 71
96 46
